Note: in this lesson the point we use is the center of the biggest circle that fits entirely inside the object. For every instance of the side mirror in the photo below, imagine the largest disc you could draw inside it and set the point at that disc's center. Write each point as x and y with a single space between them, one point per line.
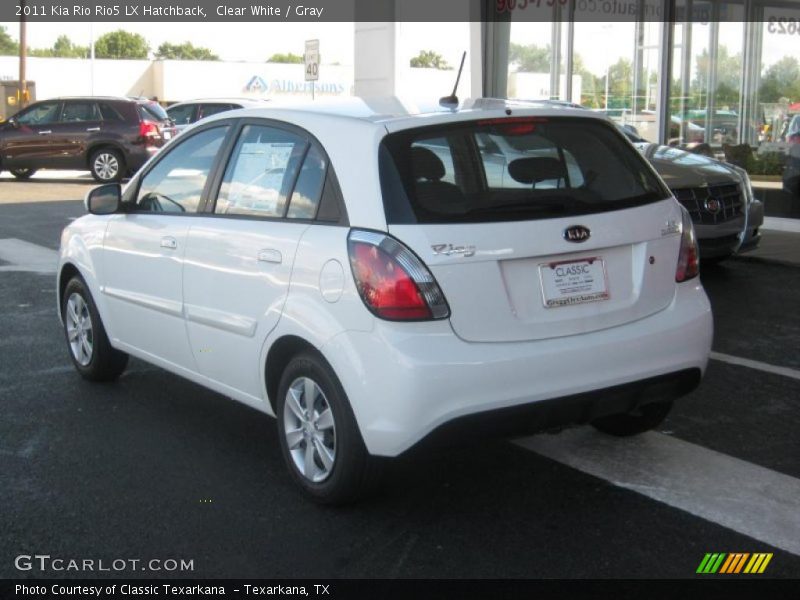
13 122
104 200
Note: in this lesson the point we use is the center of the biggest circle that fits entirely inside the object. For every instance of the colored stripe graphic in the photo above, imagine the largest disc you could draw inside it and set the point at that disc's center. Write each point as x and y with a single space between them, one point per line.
734 563
711 563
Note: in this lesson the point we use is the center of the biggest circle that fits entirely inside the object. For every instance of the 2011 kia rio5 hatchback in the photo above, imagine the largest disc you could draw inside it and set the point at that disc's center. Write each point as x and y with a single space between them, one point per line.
377 280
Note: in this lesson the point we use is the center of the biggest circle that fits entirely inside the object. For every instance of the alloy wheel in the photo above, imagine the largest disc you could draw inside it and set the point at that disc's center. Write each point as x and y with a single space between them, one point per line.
309 430
106 166
78 321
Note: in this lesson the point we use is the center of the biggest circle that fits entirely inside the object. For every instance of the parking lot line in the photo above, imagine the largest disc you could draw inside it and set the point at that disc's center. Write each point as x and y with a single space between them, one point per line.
741 496
755 364
25 256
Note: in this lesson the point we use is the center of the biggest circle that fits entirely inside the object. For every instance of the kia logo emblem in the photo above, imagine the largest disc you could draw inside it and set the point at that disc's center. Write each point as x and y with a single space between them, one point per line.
577 233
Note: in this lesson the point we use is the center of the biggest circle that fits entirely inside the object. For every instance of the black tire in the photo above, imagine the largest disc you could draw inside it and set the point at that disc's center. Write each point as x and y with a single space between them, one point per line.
644 418
102 362
107 165
354 472
23 174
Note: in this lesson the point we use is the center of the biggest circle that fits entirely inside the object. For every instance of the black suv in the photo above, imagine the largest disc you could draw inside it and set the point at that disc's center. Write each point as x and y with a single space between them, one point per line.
111 137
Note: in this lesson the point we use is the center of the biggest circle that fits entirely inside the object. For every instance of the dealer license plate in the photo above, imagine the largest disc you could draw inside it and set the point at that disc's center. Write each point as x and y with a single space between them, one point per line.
573 282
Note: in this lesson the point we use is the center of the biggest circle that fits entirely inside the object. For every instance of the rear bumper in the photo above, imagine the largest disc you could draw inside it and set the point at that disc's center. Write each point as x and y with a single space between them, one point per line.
139 154
405 381
569 410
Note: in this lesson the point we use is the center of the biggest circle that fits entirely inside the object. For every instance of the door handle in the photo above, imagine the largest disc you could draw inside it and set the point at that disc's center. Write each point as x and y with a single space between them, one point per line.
48 132
93 129
269 255
169 242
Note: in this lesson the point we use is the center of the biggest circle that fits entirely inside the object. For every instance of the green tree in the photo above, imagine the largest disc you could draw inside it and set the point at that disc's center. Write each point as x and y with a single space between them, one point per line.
530 58
184 51
781 81
121 44
8 46
428 59
289 58
62 48
729 77
620 83
591 88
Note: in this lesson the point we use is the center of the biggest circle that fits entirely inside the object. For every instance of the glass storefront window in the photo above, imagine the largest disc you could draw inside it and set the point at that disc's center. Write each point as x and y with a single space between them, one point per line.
734 74
777 109
707 73
530 60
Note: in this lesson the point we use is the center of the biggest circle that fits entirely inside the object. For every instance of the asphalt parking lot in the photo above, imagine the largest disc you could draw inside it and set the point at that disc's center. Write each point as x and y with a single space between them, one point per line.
156 467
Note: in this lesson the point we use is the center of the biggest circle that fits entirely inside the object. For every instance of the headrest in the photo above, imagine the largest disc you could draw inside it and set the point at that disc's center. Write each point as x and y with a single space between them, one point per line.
426 164
536 168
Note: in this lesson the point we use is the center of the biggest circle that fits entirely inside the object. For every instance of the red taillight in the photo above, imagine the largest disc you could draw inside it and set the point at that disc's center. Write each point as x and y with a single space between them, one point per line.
511 126
148 131
794 138
689 256
393 283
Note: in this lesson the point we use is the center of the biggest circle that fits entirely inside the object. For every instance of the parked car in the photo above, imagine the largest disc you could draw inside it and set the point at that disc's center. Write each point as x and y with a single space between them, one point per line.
791 174
724 124
719 197
373 295
108 136
189 112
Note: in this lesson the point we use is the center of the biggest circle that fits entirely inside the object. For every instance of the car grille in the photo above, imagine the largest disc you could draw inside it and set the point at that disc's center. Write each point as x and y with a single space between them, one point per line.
700 203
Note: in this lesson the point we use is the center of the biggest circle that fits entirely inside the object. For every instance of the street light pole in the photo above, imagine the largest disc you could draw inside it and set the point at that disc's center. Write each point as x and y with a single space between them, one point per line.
91 57
23 49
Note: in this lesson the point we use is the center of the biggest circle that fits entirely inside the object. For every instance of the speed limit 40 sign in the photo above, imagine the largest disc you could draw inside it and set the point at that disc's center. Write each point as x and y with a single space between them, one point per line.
312 60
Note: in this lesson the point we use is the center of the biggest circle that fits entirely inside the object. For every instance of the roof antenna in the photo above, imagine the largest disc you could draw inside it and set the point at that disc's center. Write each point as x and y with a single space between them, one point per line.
451 101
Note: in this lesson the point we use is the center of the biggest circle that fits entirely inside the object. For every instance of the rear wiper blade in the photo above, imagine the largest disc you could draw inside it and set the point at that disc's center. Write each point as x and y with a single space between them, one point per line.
531 206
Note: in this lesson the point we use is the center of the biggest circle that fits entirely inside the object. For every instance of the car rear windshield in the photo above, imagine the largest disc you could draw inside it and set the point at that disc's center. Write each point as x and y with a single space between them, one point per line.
511 169
152 111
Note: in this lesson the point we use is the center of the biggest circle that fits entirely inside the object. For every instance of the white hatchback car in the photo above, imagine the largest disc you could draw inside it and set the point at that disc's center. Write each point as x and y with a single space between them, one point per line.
375 280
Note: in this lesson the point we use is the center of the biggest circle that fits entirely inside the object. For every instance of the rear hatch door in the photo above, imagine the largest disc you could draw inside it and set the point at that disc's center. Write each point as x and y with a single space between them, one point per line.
534 229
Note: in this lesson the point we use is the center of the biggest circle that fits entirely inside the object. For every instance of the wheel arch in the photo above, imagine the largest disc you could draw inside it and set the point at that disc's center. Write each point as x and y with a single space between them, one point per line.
99 146
280 354
67 272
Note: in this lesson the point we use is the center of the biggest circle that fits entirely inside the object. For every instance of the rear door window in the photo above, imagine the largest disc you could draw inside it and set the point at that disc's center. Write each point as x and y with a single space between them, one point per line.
206 110
261 172
79 111
512 169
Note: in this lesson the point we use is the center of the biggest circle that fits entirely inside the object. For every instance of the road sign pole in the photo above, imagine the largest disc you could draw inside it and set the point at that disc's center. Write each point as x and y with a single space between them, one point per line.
311 64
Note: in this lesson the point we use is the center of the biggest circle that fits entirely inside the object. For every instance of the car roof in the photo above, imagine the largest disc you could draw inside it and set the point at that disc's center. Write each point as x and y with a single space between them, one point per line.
395 113
253 101
98 98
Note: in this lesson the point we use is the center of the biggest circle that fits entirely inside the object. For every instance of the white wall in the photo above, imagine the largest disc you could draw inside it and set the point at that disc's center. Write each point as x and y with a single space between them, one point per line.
184 79
73 77
174 80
